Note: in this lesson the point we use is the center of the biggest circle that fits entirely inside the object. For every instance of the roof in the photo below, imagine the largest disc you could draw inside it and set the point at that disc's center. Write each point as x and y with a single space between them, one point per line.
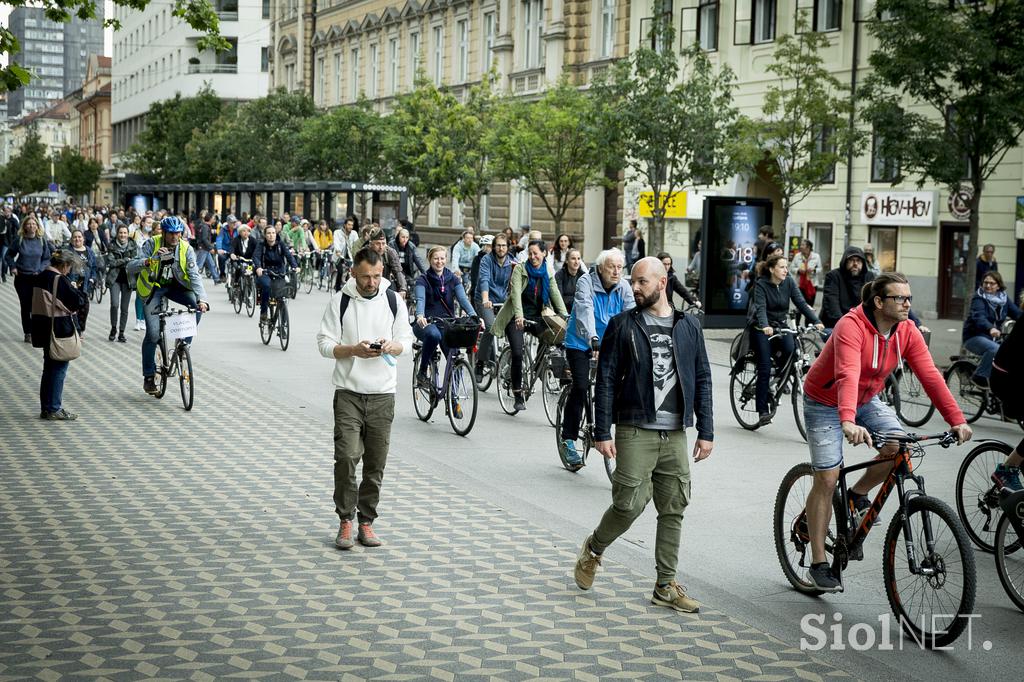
105 62
59 110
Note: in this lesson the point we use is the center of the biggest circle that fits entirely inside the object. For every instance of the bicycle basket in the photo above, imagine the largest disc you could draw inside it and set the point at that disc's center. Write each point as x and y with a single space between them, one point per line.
280 288
460 333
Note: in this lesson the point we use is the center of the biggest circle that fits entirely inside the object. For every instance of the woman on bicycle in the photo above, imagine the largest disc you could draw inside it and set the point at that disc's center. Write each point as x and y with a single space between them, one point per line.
774 290
120 252
990 307
532 289
568 274
271 255
436 293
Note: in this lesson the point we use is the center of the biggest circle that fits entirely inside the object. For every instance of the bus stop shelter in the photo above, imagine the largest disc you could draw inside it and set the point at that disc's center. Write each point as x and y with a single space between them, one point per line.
313 200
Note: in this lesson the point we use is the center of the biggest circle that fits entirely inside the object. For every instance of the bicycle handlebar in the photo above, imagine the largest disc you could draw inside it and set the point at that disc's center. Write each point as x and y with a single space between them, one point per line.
880 440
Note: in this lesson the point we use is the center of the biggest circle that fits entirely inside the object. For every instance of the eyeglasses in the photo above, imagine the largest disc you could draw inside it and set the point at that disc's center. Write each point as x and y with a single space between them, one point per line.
989 283
901 299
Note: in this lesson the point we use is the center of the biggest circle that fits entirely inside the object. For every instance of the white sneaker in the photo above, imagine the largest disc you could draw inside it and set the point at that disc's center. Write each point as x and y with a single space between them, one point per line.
139 325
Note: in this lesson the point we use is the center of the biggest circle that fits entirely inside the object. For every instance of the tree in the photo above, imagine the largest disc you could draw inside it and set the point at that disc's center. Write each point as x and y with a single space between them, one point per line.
171 124
342 144
29 169
946 90
199 14
557 147
677 132
78 174
804 130
413 148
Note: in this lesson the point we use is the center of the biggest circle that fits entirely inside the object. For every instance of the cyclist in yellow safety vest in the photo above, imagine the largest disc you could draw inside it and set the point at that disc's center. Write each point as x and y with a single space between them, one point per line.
166 266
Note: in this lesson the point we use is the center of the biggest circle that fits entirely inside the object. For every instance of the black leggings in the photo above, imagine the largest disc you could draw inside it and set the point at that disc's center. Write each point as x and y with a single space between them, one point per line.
517 343
23 285
579 365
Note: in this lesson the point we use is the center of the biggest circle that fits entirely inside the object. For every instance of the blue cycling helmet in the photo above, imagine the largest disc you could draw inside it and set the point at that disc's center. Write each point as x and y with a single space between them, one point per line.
172 223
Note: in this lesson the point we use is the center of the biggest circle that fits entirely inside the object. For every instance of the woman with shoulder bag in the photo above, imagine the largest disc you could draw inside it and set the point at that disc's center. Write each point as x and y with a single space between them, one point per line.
55 304
120 251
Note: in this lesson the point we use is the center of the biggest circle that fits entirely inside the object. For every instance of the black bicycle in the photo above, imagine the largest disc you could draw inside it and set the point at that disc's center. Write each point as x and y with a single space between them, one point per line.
490 367
456 387
1009 545
787 377
277 319
585 442
542 365
174 362
927 561
242 288
974 401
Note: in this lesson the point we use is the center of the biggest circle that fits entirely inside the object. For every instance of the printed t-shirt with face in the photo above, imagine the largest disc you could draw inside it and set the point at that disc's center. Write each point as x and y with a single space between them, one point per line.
668 396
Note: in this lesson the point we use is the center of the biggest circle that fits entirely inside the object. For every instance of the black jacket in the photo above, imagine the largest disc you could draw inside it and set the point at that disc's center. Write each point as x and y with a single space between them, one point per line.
567 285
250 251
63 325
842 290
677 287
277 258
624 390
204 236
769 306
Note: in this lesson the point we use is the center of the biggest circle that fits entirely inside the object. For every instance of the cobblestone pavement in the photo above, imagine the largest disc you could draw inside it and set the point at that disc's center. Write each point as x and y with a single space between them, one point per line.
143 541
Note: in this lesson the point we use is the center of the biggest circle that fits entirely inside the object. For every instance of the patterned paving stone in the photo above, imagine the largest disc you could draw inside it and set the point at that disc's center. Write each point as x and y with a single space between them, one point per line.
144 542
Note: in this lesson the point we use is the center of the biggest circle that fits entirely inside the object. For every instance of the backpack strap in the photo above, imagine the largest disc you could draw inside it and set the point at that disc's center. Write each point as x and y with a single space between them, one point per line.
392 303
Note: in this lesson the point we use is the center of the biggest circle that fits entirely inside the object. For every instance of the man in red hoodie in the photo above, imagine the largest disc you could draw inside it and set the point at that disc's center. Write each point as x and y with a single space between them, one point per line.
841 402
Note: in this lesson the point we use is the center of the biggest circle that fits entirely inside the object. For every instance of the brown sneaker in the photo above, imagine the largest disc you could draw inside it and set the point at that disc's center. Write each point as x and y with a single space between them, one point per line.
367 538
344 539
674 596
586 566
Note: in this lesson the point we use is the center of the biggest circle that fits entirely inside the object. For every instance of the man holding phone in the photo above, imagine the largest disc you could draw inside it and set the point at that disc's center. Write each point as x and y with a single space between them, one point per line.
363 329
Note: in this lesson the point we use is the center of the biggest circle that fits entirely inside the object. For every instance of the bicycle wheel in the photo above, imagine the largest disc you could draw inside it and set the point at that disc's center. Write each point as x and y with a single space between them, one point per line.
969 397
462 397
99 290
734 347
162 368
423 398
796 390
812 345
792 543
977 498
932 604
741 394
1010 561
486 377
915 407
505 397
185 376
551 390
267 328
236 297
249 294
283 326
308 276
890 394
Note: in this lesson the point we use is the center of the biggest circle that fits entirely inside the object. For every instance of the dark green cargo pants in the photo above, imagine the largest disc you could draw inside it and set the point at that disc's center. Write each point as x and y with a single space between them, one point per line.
362 430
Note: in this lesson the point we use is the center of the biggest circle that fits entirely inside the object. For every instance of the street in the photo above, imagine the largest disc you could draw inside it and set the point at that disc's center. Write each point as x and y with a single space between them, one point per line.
142 540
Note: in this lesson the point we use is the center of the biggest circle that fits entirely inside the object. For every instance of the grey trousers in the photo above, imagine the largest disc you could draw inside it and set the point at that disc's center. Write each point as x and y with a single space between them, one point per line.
120 298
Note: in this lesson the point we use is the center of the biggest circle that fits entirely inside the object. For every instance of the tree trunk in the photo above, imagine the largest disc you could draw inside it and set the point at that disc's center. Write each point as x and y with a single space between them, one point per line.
972 258
655 242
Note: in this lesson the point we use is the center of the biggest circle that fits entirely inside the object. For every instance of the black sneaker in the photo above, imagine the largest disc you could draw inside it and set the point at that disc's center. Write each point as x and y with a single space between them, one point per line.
478 374
820 576
861 504
113 334
149 385
121 338
764 419
60 415
423 381
520 404
28 338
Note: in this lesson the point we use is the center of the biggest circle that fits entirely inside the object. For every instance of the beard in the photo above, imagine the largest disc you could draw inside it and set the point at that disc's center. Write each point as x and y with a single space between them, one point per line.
645 301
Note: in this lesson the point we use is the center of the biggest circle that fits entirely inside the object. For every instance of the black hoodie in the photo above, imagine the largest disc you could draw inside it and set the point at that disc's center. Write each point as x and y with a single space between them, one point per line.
842 290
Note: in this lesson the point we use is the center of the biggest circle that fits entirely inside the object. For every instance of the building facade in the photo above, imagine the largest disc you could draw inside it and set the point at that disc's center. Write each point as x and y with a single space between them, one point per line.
339 52
92 133
55 53
156 56
920 232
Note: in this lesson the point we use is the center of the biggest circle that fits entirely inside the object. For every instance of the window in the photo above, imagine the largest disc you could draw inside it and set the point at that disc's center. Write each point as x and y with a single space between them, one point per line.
828 15
372 90
337 78
524 205
607 28
266 9
392 65
354 71
532 13
707 25
321 81
462 61
764 21
458 216
264 59
884 240
824 143
485 204
414 56
289 77
438 65
490 27
883 168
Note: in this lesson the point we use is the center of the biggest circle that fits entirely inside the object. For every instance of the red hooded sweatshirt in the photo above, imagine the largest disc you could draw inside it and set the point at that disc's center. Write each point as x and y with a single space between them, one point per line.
855 362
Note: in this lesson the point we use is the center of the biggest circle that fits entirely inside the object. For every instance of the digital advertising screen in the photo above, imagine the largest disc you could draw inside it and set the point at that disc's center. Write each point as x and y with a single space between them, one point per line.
729 238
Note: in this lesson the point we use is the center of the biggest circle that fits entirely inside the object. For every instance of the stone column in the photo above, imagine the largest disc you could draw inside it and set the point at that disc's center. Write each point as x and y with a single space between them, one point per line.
554 41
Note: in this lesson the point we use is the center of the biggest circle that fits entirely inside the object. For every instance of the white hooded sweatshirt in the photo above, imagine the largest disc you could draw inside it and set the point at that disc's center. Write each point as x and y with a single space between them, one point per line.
366 319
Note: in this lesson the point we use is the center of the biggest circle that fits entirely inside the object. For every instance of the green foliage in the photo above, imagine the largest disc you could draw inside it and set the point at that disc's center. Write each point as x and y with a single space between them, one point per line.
413 145
170 126
29 169
557 147
678 130
946 90
78 174
199 14
343 144
805 130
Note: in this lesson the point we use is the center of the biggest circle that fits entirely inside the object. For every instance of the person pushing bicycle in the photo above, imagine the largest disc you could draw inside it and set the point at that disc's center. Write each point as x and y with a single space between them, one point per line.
841 402
166 267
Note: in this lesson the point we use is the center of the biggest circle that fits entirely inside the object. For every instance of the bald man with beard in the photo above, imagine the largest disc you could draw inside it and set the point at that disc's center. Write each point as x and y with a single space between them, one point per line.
653 376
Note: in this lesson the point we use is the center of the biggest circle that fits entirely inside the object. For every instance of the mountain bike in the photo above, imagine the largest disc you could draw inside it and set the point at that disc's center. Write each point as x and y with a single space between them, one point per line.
539 364
973 400
1009 545
455 386
927 561
277 319
307 273
243 291
585 442
177 361
787 377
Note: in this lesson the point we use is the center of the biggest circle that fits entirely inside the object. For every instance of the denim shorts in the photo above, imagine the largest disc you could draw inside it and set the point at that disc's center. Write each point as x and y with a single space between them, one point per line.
825 432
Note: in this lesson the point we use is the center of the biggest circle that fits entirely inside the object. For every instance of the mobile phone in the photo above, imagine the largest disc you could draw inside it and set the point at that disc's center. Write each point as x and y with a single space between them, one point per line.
376 346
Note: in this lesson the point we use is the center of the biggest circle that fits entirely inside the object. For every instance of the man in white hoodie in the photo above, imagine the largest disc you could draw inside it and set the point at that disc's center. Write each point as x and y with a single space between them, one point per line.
363 329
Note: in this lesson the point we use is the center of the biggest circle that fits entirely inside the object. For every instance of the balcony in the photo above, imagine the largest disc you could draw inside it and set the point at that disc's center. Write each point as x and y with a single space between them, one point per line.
213 68
227 16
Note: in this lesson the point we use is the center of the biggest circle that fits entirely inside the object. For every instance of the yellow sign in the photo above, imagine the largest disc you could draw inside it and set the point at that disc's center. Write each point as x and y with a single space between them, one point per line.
675 209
